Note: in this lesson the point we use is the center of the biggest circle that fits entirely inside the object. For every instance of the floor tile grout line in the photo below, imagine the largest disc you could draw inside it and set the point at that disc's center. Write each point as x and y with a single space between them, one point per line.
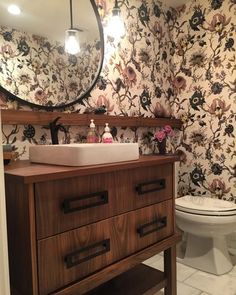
202 291
189 276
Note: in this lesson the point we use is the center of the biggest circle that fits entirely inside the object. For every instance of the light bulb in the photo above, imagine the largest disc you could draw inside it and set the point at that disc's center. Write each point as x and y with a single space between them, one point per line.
14 9
72 45
116 27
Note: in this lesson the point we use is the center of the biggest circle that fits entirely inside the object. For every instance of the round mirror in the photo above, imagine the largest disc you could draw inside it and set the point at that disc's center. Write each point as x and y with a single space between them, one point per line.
34 65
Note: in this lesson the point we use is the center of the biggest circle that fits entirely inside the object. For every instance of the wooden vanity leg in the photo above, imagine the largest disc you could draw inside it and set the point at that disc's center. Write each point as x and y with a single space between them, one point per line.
170 270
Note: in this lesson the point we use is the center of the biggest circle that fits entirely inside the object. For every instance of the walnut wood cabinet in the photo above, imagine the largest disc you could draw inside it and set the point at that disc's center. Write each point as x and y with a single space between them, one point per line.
77 230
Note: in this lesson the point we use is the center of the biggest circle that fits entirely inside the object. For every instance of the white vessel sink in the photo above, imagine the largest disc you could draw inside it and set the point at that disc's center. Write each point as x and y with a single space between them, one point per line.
83 154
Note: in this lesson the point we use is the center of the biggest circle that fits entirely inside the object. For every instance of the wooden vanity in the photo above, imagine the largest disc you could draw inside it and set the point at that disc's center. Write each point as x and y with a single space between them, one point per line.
77 230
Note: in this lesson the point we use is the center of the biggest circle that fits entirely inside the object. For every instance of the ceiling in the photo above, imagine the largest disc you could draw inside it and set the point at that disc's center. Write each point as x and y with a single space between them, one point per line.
175 3
50 18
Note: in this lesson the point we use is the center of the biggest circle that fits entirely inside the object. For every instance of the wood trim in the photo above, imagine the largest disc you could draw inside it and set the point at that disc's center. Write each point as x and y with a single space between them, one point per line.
173 194
42 172
21 237
44 118
116 269
32 230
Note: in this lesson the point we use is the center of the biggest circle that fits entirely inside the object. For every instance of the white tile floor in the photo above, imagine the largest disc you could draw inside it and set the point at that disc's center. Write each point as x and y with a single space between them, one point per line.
191 281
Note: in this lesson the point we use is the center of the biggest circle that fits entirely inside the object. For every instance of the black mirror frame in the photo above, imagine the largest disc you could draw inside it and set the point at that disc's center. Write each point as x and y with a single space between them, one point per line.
86 94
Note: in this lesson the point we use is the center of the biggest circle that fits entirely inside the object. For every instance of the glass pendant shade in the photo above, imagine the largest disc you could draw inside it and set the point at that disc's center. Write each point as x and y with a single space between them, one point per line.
72 45
116 26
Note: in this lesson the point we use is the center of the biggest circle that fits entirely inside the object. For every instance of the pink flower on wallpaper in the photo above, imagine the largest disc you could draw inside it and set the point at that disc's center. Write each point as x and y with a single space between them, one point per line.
179 84
9 81
103 101
102 7
60 63
180 10
158 30
218 187
40 95
218 107
218 22
161 112
3 101
7 50
129 76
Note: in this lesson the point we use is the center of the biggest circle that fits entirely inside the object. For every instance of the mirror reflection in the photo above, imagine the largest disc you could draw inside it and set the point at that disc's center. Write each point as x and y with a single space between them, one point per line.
34 66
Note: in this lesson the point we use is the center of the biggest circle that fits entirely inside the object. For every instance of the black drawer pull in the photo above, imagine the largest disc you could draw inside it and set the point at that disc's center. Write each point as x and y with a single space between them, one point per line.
69 205
151 227
92 251
151 186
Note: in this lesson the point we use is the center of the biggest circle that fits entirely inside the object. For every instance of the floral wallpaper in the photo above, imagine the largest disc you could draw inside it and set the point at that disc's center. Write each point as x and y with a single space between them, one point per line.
39 71
178 63
135 79
204 85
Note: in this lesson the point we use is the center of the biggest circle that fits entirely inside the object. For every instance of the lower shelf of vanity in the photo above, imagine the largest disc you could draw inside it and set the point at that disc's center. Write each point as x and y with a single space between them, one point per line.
139 280
129 276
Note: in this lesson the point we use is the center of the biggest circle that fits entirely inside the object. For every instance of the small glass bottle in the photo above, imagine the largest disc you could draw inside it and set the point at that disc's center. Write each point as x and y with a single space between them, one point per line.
92 134
107 137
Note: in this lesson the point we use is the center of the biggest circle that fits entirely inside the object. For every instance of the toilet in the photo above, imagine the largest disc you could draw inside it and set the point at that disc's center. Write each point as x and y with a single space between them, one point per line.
206 222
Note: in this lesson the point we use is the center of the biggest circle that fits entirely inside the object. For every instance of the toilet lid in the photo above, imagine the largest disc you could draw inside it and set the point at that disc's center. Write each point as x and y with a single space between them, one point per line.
205 206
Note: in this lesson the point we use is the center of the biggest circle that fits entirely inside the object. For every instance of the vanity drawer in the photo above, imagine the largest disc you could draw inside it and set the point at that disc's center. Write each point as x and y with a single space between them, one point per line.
66 204
70 256
69 203
146 185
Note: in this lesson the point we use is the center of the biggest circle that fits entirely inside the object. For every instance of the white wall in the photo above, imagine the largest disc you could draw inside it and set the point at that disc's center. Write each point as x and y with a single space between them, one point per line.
4 274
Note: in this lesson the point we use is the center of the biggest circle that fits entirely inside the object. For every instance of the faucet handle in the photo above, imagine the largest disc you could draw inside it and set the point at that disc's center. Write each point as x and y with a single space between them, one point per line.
54 122
54 127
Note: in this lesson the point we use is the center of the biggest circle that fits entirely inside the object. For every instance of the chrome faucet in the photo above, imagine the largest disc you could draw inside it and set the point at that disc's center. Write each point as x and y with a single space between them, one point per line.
54 128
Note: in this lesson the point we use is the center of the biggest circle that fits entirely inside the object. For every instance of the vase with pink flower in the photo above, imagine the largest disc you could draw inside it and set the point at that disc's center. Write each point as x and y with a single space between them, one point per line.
160 138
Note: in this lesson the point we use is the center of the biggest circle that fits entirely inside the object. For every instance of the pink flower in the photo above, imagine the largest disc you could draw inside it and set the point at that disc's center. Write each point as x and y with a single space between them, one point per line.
179 84
168 130
3 101
40 95
6 50
160 135
218 107
218 22
102 8
161 111
130 76
103 101
163 133
218 187
60 63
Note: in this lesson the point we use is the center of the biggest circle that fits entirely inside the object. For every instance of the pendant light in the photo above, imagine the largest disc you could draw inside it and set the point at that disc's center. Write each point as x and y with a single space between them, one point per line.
116 26
72 45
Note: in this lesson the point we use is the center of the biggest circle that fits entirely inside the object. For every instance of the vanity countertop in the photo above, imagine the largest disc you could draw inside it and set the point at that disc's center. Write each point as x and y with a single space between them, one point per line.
31 172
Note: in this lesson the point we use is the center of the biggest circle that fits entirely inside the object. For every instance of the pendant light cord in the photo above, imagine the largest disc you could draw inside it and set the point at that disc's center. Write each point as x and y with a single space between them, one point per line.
71 15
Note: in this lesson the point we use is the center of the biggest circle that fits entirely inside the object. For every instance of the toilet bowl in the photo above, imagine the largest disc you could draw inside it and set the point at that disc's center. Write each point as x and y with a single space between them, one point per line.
206 222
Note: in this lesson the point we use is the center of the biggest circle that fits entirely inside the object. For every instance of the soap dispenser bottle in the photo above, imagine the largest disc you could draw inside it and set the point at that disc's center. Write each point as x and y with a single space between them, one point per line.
92 135
107 137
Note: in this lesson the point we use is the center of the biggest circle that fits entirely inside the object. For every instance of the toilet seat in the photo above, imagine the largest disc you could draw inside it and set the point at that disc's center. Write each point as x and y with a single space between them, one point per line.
205 206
